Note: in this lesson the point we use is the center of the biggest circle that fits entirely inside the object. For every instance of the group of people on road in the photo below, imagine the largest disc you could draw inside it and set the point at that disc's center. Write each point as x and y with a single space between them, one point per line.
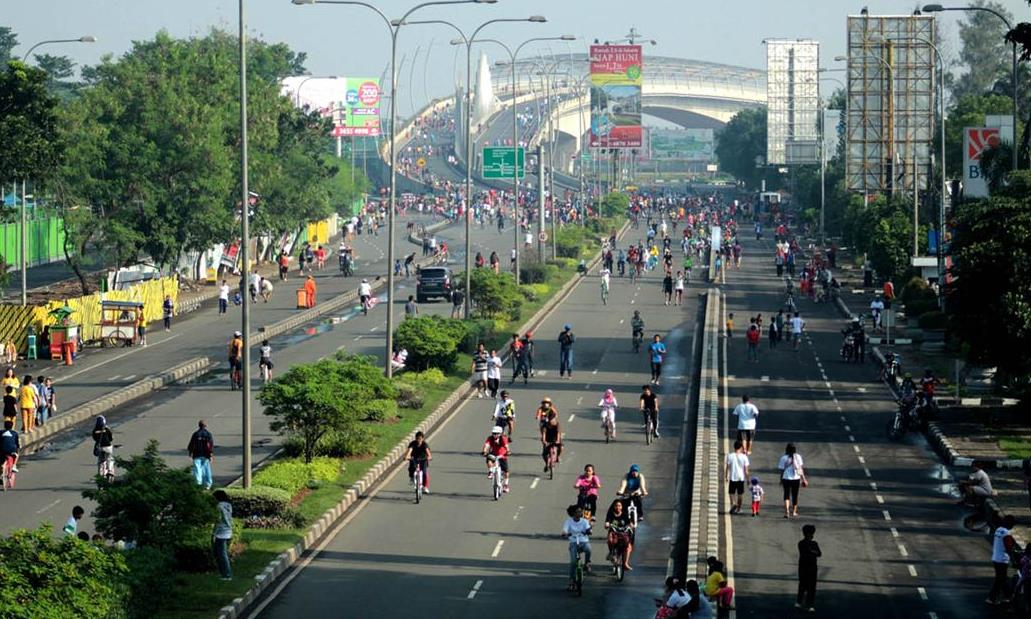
34 398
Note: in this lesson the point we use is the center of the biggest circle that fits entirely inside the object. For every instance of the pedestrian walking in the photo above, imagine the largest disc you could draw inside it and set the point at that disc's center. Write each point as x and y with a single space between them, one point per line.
309 291
493 373
678 288
774 334
808 553
411 309
167 310
529 345
758 494
223 297
736 472
779 321
658 353
43 407
1002 546
10 353
457 300
479 370
730 324
223 534
201 449
797 327
792 478
284 265
747 414
28 400
141 327
566 339
752 336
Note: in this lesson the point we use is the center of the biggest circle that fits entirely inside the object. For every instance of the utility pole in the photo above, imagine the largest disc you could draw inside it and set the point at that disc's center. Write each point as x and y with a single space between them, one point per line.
540 202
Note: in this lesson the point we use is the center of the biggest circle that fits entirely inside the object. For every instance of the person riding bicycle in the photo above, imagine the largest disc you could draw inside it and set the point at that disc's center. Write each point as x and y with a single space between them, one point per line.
419 453
621 532
364 292
605 276
608 406
908 387
649 402
10 445
504 413
577 530
634 489
543 412
235 354
551 434
637 325
265 357
496 445
587 486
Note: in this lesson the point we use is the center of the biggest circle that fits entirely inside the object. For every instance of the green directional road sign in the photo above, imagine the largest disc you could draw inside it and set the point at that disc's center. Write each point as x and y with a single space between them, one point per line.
498 162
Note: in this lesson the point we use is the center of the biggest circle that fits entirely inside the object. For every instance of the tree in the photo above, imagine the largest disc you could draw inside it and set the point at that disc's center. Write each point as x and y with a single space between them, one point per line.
615 204
431 341
8 41
984 52
495 295
151 503
28 125
741 148
969 111
884 231
56 67
989 303
64 577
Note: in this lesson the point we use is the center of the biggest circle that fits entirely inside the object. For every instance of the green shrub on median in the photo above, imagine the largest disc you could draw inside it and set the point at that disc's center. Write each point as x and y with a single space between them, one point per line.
431 341
294 474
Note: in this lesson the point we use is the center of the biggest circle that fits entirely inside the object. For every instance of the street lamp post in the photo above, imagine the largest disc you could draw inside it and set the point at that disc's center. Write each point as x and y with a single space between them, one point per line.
394 26
24 217
937 8
245 241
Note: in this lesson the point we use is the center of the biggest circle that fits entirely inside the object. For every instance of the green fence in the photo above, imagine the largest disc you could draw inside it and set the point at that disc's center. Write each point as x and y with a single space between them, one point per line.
44 241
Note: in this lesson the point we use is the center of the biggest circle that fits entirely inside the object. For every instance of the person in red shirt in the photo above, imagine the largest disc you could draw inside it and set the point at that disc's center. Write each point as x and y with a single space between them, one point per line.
752 336
889 293
497 445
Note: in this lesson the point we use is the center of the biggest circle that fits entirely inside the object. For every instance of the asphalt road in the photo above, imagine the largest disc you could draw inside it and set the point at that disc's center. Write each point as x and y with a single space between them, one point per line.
52 480
892 538
459 553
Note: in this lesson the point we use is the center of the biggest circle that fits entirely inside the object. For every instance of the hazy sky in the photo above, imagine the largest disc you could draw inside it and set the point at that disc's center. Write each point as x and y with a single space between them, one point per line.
343 40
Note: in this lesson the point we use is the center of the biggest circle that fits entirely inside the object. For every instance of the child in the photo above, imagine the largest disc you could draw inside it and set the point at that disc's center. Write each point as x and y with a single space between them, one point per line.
757 496
724 598
11 353
808 553
730 324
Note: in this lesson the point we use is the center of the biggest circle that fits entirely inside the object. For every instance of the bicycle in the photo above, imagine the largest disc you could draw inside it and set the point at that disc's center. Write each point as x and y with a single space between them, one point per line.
622 535
417 477
552 460
106 463
578 573
235 377
649 428
495 477
7 474
365 306
608 425
266 372
604 293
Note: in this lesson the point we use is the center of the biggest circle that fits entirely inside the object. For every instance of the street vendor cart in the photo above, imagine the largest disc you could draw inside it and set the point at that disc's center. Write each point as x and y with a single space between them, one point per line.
118 321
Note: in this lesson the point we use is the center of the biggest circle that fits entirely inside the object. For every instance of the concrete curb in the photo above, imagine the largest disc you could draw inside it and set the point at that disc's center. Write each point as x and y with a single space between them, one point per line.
34 441
373 476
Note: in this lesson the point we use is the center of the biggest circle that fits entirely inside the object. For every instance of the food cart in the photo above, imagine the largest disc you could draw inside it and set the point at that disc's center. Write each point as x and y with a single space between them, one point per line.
63 333
118 320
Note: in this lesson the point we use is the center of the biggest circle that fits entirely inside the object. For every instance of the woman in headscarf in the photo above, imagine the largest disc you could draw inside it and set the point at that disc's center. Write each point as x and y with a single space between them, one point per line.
608 406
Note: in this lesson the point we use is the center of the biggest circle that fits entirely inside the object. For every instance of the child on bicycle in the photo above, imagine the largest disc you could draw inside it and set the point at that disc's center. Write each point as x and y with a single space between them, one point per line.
587 486
10 444
608 406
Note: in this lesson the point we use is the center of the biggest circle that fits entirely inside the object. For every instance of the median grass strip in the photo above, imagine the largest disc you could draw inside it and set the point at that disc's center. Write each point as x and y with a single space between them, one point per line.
200 595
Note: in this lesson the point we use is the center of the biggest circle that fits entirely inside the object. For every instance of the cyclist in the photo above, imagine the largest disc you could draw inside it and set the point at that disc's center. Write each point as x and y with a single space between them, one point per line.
235 355
634 489
103 447
551 434
365 294
621 532
608 406
10 444
577 530
497 445
908 386
265 358
637 326
419 454
658 353
504 413
587 486
605 276
543 411
650 407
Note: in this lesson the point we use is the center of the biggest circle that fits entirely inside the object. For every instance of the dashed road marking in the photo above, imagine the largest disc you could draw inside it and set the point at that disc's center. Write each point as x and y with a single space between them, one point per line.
912 570
855 448
873 486
880 499
374 328
621 320
518 511
595 371
932 615
843 418
923 594
571 417
533 484
862 460
357 338
827 382
894 532
497 549
861 389
129 377
903 551
866 471
764 379
851 438
474 590
887 515
48 506
115 377
848 429
579 400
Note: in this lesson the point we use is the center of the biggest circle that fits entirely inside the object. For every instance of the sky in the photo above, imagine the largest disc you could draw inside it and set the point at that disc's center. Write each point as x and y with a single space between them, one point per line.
353 41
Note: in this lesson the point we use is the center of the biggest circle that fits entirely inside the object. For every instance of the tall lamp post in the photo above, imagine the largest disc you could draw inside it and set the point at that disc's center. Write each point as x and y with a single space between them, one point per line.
245 241
24 218
394 26
512 57
937 8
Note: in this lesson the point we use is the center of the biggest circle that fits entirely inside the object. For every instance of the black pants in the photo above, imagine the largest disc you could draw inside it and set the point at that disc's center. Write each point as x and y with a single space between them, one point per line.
168 323
791 487
492 386
999 582
806 586
521 367
656 370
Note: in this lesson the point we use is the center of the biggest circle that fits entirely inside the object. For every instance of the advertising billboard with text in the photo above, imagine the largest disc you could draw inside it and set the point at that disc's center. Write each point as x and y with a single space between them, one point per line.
616 96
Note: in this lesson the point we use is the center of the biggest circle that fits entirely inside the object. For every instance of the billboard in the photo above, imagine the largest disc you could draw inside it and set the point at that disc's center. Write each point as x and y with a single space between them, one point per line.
792 101
616 96
975 141
891 102
352 102
683 144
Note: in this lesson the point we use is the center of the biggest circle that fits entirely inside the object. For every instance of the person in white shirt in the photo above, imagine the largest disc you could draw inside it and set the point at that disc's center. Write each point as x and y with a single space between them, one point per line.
223 297
364 291
606 275
747 414
797 326
1002 544
876 309
504 409
792 478
577 530
493 373
736 473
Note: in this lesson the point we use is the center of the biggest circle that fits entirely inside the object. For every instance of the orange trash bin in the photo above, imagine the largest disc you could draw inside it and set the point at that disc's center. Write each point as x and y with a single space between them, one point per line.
302 298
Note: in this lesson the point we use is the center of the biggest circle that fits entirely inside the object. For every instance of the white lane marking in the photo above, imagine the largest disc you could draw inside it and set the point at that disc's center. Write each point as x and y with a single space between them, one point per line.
621 320
843 418
867 472
571 417
861 389
115 358
731 377
115 377
541 373
516 515
357 338
887 516
903 551
374 328
894 532
827 382
932 615
764 379
855 448
923 594
848 429
862 460
48 506
579 400
880 499
497 549
587 386
595 371
912 570
129 377
851 438
533 484
833 397
873 486
476 587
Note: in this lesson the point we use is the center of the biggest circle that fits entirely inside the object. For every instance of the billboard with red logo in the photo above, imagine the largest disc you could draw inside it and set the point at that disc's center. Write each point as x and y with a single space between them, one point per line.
616 96
975 141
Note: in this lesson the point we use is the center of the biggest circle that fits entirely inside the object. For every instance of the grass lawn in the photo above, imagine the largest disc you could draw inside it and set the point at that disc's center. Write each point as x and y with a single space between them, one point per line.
1015 445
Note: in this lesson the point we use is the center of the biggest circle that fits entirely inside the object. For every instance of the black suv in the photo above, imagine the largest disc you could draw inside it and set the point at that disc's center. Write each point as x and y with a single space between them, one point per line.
433 282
